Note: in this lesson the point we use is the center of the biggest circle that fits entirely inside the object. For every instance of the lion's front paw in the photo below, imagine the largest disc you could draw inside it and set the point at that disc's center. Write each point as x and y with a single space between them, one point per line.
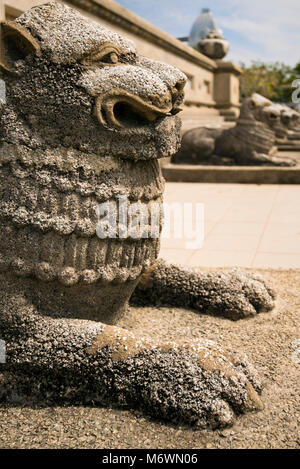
191 382
289 162
234 294
194 383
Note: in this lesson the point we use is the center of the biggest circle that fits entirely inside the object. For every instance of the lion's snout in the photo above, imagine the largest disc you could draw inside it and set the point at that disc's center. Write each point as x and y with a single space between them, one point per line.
133 96
120 109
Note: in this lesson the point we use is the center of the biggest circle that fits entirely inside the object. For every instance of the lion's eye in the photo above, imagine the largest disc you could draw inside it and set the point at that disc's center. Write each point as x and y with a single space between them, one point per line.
106 55
111 58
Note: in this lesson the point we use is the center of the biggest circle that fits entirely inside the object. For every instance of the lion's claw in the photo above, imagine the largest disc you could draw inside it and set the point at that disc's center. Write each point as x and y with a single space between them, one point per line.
196 383
234 294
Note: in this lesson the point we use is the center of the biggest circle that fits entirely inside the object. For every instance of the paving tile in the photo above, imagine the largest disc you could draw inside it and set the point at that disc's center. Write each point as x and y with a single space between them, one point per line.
244 224
237 228
277 260
173 243
285 213
281 238
176 256
244 213
207 258
225 242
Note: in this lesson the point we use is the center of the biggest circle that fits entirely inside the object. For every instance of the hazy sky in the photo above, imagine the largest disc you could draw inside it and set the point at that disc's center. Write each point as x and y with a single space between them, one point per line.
256 29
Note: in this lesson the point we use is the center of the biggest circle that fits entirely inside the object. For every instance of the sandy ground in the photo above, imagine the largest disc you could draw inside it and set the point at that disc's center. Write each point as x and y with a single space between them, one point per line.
266 338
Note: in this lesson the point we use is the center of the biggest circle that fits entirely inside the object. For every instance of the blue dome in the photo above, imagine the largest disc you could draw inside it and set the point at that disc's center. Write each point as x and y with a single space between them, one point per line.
202 26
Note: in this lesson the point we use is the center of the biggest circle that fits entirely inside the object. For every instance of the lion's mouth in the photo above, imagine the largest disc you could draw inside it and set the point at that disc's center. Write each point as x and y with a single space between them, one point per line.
124 110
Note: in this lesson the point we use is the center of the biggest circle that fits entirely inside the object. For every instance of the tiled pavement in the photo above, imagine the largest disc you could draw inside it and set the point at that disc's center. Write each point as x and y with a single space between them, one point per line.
245 225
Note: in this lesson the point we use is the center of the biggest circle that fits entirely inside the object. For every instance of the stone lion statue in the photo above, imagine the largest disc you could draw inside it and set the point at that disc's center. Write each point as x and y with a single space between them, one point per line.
250 142
290 119
85 121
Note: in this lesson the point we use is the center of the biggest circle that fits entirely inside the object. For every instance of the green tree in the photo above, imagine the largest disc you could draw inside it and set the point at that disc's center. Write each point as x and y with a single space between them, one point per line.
272 80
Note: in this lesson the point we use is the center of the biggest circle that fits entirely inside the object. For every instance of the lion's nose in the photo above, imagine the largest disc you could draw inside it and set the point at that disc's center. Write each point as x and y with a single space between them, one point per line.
177 93
178 87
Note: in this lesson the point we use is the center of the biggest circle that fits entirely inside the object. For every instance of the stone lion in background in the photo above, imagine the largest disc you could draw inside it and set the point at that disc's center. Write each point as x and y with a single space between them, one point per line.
290 118
252 141
85 121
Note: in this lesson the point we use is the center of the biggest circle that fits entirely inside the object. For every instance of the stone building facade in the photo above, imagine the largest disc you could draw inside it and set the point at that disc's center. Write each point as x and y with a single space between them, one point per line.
212 92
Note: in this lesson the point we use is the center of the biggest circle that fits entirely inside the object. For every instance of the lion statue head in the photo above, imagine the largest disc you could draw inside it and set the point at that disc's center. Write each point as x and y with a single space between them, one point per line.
261 109
289 117
75 84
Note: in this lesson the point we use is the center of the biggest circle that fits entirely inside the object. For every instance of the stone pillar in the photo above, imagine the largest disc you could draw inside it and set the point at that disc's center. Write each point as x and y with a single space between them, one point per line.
2 10
227 89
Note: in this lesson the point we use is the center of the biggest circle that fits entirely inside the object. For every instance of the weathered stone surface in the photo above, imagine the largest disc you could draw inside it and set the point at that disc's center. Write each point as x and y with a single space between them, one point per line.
85 121
250 142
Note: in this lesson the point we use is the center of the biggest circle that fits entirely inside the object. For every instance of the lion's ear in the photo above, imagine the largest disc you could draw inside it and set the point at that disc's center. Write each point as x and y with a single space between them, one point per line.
16 42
